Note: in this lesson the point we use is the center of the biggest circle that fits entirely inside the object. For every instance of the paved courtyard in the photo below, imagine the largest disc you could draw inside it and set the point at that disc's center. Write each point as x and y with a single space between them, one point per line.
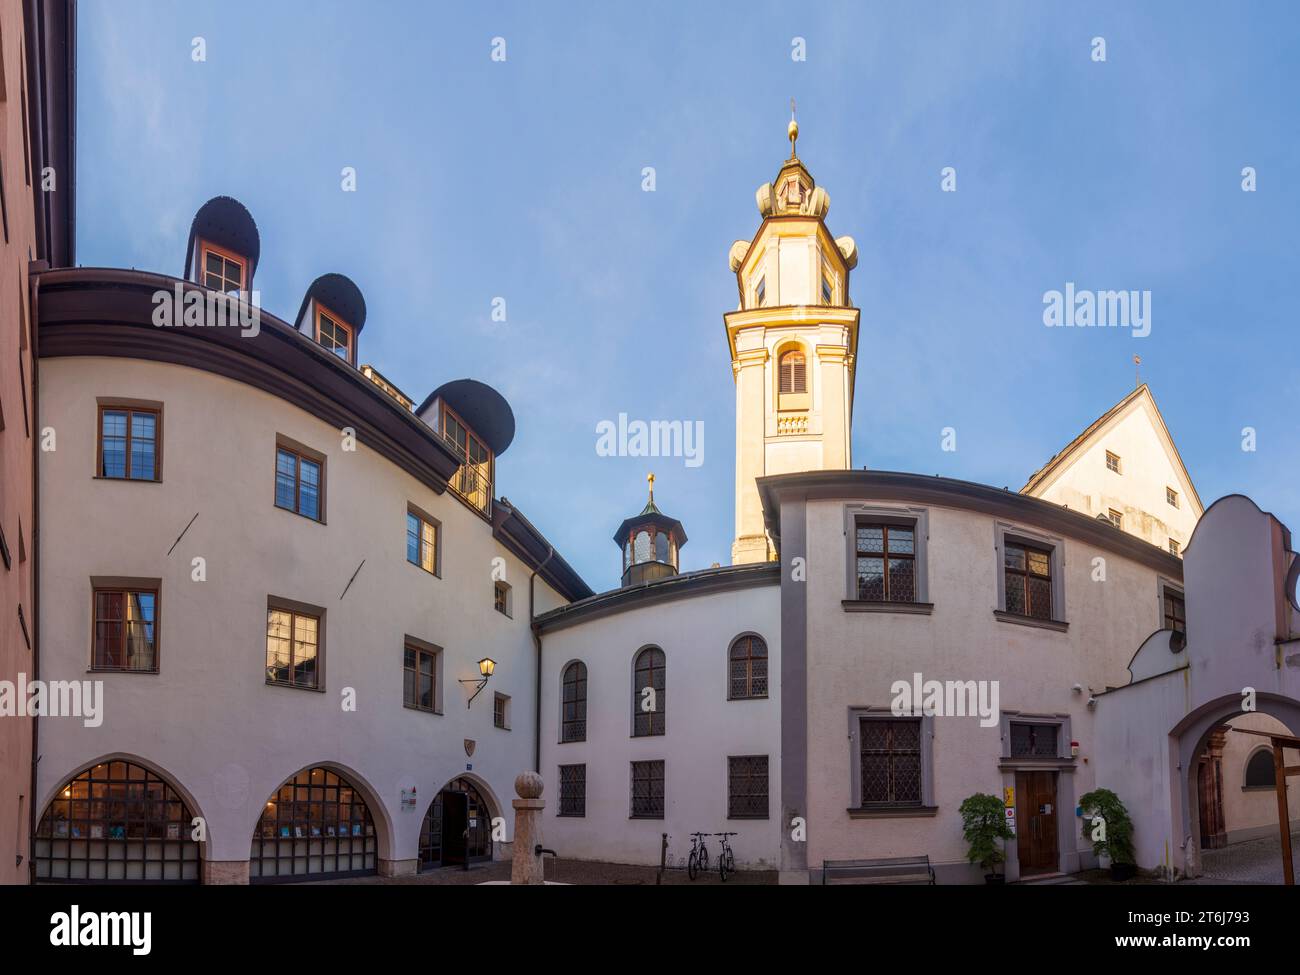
565 872
1252 862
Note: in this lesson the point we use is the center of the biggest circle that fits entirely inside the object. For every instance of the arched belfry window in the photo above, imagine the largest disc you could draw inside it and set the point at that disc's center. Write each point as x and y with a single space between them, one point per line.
792 372
573 720
648 708
747 668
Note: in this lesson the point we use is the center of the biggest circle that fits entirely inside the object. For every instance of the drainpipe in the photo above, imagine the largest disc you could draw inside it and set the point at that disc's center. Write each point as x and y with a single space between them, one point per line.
33 324
537 646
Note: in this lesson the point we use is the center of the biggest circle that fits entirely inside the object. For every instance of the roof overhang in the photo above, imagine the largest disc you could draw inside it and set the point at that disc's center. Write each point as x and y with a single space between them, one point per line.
482 407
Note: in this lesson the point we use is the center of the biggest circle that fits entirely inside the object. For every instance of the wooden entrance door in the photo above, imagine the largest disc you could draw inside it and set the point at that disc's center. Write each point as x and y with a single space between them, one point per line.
1036 814
455 822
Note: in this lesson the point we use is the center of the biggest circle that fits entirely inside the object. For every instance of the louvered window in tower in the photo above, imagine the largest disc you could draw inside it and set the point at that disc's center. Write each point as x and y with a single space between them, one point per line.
792 375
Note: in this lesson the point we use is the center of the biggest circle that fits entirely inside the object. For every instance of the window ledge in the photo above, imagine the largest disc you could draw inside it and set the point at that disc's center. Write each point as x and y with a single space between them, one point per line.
896 812
1258 788
883 606
419 710
294 687
154 672
1059 626
127 480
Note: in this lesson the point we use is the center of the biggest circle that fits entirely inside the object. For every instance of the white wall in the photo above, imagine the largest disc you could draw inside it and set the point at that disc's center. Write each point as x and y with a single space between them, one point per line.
208 719
703 728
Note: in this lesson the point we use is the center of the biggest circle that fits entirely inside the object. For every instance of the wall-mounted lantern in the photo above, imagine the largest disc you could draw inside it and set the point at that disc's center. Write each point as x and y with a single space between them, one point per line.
486 667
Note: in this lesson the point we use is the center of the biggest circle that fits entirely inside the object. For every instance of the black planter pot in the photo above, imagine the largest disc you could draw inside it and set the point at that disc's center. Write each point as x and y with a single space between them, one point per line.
1123 871
995 878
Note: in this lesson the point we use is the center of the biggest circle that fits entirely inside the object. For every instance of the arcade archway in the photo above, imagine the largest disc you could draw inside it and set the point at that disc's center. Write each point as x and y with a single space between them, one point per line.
457 828
316 826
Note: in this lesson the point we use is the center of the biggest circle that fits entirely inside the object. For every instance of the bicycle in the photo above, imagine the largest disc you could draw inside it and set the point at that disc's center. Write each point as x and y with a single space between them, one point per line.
726 859
699 858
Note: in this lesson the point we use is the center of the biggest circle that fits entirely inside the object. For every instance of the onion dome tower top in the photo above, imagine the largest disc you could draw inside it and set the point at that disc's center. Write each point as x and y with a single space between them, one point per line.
651 542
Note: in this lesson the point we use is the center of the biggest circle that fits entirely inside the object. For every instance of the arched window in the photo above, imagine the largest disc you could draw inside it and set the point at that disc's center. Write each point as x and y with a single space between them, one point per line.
747 668
792 375
1259 770
315 825
648 709
573 720
116 823
661 547
642 550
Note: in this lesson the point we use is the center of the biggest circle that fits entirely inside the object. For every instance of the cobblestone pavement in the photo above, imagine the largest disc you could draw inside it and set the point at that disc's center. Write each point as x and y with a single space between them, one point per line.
1252 862
564 872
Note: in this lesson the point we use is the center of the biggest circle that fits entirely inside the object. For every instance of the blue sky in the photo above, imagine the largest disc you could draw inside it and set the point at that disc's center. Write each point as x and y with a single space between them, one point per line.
480 179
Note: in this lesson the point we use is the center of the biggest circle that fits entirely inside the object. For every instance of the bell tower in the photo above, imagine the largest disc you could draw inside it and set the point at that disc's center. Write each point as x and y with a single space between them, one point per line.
793 342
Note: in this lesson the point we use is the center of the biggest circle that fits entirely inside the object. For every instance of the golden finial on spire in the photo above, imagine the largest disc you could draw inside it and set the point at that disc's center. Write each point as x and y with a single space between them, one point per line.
792 130
651 479
1137 369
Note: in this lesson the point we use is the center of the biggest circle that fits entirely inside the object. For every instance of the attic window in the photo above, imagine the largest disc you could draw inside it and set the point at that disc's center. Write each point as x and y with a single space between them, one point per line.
333 334
1171 496
1116 518
1173 547
760 292
222 270
1112 462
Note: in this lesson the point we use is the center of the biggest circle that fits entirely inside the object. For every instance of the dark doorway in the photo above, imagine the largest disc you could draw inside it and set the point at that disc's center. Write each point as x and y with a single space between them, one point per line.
455 823
1209 791
1036 836
458 808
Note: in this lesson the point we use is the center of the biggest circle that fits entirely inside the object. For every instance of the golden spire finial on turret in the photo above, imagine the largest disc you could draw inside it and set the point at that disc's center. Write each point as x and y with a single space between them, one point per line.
650 479
792 130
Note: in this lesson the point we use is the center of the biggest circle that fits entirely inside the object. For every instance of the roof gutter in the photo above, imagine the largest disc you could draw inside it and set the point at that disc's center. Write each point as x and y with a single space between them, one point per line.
537 647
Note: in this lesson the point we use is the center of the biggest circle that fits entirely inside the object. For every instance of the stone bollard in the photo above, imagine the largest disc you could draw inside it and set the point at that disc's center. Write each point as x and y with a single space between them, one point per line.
526 866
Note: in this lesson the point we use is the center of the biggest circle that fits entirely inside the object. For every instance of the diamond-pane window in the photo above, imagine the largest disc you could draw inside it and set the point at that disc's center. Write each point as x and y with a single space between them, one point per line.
747 668
747 787
891 761
1028 575
886 563
648 790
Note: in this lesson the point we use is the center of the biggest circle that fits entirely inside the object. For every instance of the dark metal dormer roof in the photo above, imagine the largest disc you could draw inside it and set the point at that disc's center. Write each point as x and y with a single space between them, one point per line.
226 222
339 294
479 405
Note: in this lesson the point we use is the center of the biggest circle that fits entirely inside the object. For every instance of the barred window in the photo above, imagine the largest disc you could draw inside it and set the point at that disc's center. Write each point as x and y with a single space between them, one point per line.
1175 611
126 635
747 668
891 761
573 721
747 787
648 709
648 790
886 562
792 374
573 790
1028 574
1031 740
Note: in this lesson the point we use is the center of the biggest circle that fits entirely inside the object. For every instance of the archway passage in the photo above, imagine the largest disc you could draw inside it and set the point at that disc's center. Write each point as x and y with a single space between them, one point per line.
457 827
316 826
117 822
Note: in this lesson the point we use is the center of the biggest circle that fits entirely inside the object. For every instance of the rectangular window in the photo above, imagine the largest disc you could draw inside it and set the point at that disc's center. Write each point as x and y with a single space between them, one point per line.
1171 496
828 290
886 562
1028 573
473 480
1116 518
128 443
1032 740
126 635
1175 610
501 598
333 334
1173 547
747 787
501 711
422 542
573 790
1112 462
760 292
221 270
420 677
890 755
298 483
648 790
292 648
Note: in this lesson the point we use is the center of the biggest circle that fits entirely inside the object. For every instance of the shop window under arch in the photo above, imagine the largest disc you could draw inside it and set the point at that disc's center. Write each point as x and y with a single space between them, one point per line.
317 825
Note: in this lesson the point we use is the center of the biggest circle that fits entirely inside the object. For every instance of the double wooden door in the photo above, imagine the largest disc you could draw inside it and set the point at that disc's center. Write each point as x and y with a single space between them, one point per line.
1036 824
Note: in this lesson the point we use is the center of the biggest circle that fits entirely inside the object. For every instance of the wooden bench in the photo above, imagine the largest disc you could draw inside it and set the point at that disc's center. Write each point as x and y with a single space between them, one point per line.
884 870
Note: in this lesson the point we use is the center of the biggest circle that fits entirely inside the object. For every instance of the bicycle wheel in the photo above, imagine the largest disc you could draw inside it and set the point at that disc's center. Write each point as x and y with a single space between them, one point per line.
722 866
704 858
692 866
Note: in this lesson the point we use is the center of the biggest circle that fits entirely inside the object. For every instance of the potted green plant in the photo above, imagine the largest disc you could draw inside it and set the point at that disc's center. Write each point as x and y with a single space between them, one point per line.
984 823
1113 836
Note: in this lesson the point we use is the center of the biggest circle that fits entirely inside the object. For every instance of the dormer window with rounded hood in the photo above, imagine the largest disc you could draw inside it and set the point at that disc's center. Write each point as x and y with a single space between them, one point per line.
332 314
650 543
477 424
223 247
